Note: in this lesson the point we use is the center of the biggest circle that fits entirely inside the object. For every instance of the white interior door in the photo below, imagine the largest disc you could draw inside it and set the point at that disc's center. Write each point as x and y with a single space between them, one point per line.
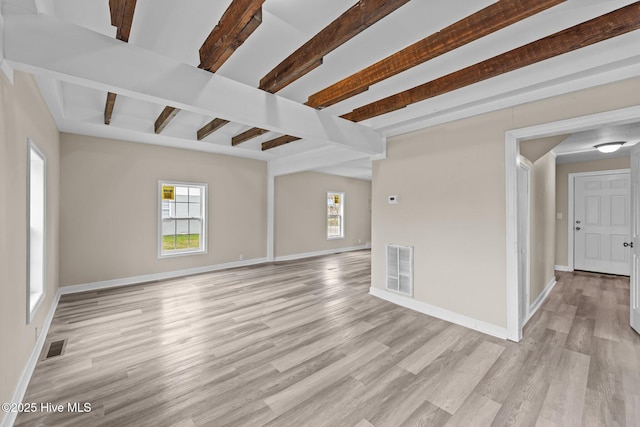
602 223
523 241
635 229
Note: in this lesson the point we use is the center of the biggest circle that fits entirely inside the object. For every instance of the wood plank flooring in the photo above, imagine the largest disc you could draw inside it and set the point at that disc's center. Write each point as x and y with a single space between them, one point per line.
302 343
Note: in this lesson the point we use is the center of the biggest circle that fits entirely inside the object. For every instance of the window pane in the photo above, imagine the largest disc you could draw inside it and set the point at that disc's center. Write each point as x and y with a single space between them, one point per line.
182 210
194 210
166 209
334 222
168 235
194 236
194 192
182 226
182 194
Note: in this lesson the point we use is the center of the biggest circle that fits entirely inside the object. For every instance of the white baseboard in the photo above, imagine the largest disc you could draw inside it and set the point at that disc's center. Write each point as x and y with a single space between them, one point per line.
106 284
441 313
320 253
156 276
562 268
543 296
18 395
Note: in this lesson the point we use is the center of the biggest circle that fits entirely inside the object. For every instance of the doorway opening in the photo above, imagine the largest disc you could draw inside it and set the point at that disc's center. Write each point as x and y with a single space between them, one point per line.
512 151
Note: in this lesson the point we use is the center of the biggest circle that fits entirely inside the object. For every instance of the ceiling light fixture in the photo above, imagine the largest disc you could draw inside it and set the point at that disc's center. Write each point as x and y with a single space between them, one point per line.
609 147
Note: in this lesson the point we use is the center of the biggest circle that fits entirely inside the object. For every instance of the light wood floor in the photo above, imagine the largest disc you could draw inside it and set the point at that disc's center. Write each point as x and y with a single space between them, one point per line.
302 343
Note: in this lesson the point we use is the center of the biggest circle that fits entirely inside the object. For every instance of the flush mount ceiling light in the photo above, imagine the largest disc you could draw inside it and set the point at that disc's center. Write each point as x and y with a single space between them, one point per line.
609 147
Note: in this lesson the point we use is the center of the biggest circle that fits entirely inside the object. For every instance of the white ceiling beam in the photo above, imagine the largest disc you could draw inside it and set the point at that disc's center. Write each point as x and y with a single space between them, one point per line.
44 45
100 130
312 159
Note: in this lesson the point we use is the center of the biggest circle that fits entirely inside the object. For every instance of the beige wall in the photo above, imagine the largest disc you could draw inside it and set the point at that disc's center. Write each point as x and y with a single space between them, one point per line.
543 225
23 114
109 208
562 197
300 212
533 149
450 180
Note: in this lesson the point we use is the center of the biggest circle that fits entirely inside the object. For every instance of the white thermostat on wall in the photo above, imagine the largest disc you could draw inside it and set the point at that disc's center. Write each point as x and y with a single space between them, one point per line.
393 200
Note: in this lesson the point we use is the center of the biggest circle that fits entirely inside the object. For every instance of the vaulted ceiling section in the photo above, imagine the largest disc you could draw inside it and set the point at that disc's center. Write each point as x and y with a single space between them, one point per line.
335 75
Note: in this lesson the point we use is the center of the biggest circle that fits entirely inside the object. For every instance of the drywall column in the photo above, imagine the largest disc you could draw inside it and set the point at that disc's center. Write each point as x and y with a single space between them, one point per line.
270 213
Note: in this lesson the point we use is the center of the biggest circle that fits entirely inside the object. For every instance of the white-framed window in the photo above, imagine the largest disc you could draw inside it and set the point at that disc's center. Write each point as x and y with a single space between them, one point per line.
335 215
182 218
36 208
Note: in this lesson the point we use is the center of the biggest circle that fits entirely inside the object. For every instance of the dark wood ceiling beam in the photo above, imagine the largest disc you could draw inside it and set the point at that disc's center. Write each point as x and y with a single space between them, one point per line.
247 135
211 127
613 24
484 22
229 35
285 139
122 18
237 23
352 22
108 108
164 118
217 61
309 56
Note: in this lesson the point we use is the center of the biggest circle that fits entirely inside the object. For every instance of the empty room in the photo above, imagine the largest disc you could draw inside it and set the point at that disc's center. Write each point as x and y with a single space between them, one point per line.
319 213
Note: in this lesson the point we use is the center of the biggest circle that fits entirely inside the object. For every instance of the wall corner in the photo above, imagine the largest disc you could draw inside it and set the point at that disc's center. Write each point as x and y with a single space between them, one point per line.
4 65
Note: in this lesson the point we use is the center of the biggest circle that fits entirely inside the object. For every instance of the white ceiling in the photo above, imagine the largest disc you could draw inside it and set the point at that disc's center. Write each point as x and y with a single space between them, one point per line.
176 30
579 146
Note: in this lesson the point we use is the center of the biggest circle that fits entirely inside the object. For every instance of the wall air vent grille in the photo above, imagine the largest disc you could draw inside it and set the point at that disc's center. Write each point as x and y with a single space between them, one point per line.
400 269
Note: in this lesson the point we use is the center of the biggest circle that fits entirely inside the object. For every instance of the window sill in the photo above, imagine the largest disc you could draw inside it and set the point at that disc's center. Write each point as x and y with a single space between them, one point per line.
180 254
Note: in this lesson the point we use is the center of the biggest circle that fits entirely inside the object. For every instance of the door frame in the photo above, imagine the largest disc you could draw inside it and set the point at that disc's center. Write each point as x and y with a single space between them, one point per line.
512 152
526 287
571 208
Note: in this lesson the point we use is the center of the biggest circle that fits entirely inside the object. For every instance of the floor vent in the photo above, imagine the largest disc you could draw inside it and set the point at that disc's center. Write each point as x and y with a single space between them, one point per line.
400 269
56 348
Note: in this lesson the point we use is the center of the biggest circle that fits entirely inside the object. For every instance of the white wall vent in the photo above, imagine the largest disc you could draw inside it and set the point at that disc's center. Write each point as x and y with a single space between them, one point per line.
400 269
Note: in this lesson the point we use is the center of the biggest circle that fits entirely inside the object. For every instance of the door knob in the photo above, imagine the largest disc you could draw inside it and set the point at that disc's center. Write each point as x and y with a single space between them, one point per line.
578 222
625 244
577 228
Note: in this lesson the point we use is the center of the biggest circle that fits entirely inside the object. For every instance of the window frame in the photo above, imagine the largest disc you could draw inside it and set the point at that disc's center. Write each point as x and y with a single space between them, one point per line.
34 303
203 249
342 228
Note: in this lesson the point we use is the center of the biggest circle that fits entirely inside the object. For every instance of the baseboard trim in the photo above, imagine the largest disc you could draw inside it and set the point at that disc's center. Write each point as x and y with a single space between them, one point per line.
562 268
543 296
441 313
320 253
18 395
125 281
